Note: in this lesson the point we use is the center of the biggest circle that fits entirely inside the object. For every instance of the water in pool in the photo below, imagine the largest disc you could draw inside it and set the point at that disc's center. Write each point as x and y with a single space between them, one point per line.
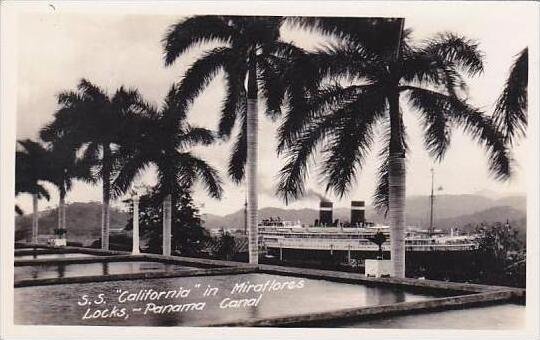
58 304
506 316
51 256
87 269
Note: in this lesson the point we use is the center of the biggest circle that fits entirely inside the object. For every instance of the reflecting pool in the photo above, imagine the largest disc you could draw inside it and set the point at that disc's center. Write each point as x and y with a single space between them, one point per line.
51 256
88 269
226 298
506 316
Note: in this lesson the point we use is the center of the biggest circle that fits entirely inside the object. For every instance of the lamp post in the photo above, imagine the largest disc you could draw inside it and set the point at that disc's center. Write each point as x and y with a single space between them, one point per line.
135 200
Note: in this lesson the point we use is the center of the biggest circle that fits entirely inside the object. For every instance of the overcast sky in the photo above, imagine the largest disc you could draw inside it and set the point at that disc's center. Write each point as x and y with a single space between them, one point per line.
57 49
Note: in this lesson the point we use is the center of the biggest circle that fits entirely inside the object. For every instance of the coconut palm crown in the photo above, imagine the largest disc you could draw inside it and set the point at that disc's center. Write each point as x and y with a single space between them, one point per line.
29 175
346 90
162 138
28 168
62 167
248 50
343 117
96 123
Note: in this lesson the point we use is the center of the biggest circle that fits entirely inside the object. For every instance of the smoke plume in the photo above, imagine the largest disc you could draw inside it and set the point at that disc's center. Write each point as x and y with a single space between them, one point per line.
310 193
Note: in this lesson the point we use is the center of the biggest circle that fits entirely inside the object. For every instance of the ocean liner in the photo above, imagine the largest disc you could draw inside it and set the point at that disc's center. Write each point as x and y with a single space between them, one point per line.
353 241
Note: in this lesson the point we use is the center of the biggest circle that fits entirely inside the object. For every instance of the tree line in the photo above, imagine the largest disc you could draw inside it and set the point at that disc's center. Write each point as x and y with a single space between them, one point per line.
328 101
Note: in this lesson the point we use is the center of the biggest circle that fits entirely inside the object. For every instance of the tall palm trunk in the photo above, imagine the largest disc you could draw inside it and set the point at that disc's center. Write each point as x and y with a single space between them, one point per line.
396 211
396 188
135 239
35 218
167 220
105 208
251 162
62 212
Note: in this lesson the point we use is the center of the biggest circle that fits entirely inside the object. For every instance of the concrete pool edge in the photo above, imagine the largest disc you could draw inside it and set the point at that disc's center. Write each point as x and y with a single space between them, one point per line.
466 294
46 251
347 277
197 262
335 276
364 313
76 260
134 276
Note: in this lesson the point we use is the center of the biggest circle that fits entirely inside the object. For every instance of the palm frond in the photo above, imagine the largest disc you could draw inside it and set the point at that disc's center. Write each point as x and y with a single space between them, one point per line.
238 158
374 34
511 108
433 112
333 127
192 136
127 103
201 73
92 91
381 195
132 166
274 70
43 192
206 174
342 60
462 52
298 111
427 69
293 174
272 87
235 98
195 31
305 77
351 140
479 126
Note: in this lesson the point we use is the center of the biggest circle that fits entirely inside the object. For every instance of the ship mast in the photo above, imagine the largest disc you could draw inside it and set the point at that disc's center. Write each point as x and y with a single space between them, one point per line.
431 198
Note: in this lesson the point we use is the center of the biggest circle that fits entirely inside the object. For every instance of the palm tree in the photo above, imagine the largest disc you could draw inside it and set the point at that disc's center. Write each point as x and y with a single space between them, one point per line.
350 88
97 123
247 48
161 139
379 238
63 167
511 109
29 172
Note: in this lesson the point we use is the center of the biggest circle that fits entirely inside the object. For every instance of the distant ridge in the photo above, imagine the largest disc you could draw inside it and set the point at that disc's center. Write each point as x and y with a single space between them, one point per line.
84 219
449 210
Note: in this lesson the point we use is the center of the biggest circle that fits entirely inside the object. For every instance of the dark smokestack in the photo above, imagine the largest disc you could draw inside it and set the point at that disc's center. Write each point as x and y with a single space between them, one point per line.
358 212
325 213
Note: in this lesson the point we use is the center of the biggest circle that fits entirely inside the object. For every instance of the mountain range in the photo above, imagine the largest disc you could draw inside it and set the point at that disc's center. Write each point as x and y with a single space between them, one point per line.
449 211
83 220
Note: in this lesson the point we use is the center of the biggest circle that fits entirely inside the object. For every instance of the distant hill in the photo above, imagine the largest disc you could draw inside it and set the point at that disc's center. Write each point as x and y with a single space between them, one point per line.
83 221
449 210
501 214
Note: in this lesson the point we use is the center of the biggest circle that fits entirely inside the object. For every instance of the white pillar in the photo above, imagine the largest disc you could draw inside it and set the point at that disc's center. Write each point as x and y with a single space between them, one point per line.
35 217
135 248
167 207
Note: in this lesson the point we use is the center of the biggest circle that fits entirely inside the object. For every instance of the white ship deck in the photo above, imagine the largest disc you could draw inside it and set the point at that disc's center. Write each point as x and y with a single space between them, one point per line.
356 239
